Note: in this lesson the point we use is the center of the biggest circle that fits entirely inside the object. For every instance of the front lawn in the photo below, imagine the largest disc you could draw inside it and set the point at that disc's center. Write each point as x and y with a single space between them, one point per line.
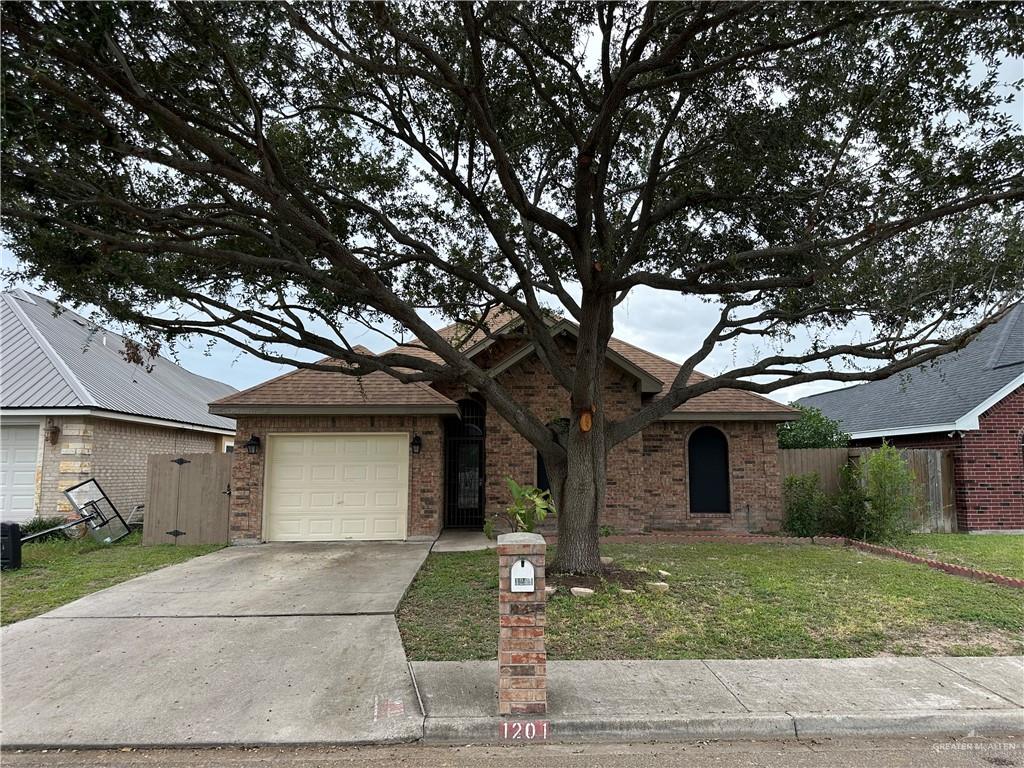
58 571
994 552
747 601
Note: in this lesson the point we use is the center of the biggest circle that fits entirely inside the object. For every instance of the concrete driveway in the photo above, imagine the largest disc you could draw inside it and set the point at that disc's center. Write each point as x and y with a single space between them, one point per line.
276 644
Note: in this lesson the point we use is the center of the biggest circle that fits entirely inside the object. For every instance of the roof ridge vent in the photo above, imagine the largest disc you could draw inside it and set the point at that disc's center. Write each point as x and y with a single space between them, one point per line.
21 295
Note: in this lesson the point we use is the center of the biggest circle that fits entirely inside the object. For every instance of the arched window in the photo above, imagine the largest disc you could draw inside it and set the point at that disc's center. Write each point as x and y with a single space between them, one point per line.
709 472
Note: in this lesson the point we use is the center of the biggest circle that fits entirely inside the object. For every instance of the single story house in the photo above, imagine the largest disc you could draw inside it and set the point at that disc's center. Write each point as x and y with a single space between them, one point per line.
331 456
72 407
970 402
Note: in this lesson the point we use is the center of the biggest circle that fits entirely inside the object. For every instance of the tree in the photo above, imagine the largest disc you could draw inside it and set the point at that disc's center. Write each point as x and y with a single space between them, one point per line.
812 430
261 173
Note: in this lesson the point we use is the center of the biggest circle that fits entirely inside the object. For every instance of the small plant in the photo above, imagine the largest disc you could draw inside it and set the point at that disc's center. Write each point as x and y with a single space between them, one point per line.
891 494
37 524
805 504
607 530
529 507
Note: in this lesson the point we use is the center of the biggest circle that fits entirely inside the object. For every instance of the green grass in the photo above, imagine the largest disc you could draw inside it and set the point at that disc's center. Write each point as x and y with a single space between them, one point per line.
58 571
995 552
744 601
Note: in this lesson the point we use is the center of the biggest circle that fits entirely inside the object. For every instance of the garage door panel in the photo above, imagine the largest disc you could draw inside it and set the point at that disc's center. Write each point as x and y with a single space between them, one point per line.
19 452
337 486
323 472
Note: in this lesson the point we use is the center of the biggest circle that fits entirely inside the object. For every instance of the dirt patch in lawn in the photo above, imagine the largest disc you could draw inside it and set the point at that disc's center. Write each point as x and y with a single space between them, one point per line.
960 639
609 576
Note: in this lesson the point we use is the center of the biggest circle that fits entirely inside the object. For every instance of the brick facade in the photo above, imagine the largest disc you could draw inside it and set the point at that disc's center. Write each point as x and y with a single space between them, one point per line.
113 452
425 468
988 466
647 474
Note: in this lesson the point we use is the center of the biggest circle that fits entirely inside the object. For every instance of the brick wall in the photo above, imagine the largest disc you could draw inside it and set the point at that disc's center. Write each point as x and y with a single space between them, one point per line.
122 448
113 452
425 469
988 466
755 488
647 474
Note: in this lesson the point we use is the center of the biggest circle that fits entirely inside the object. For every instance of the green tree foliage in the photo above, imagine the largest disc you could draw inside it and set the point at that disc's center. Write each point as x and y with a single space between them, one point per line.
841 181
812 430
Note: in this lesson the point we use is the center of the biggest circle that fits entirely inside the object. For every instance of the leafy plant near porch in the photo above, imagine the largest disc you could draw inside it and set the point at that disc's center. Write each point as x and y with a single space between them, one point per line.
529 508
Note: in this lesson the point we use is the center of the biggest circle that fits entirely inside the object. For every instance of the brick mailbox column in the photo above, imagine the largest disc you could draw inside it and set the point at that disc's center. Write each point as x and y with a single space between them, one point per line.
522 658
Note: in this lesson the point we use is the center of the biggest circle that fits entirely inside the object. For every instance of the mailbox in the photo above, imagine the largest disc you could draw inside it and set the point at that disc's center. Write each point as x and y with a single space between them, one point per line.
521 578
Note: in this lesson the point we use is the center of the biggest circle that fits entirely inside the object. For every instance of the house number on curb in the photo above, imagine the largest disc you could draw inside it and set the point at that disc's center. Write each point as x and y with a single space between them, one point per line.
524 730
521 576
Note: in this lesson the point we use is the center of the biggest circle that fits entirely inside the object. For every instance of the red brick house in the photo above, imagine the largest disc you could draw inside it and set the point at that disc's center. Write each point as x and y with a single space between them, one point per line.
970 402
340 457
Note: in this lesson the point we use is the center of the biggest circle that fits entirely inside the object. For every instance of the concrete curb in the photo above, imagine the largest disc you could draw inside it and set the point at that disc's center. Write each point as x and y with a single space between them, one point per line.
909 723
584 728
724 727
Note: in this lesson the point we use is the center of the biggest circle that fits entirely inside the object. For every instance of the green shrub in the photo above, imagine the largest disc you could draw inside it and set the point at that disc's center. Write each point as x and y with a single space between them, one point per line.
529 507
847 512
37 524
805 504
891 494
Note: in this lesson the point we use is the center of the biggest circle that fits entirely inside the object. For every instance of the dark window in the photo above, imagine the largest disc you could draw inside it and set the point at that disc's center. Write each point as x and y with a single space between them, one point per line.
542 474
709 472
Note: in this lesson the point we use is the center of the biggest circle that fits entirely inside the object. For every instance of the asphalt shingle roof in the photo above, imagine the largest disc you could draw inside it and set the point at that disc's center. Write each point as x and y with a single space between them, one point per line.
935 395
309 388
51 359
305 388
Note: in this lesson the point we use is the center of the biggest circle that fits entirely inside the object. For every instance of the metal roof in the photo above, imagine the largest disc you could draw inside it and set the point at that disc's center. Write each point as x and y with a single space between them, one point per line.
949 393
51 357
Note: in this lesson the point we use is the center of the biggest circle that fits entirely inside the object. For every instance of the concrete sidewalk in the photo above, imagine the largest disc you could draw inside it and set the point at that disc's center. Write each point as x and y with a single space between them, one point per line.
733 699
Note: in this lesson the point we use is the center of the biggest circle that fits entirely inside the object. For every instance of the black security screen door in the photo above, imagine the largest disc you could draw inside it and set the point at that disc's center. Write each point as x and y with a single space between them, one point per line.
464 467
709 472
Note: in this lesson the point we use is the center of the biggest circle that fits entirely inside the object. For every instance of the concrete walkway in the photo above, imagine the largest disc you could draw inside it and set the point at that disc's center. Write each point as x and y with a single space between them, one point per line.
276 644
685 700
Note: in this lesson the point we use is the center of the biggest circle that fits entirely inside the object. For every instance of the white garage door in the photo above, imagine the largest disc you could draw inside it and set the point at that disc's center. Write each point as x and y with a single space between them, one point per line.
328 487
19 451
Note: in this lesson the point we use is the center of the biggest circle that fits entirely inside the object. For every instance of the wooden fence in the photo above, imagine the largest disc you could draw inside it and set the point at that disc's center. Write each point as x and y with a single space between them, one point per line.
187 499
932 468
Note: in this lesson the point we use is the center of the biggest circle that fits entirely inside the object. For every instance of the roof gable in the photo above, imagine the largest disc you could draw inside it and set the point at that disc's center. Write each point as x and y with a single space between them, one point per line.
946 395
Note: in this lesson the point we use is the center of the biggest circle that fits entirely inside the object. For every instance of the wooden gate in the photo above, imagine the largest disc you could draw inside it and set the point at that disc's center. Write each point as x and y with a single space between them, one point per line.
188 499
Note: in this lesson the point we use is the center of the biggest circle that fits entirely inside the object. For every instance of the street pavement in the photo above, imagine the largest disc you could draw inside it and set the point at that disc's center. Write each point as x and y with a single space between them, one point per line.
972 752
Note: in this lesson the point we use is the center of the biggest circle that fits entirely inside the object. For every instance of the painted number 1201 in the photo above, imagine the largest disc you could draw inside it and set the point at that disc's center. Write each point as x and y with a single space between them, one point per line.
524 730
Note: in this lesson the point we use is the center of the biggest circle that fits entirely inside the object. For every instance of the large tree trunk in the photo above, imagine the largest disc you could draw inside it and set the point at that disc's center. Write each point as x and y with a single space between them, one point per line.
578 488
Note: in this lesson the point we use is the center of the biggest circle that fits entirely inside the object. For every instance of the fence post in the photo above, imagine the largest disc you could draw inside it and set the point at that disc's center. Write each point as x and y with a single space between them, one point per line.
522 656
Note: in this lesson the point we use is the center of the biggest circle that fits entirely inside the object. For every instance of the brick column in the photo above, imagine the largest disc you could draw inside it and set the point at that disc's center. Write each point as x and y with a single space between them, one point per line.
522 658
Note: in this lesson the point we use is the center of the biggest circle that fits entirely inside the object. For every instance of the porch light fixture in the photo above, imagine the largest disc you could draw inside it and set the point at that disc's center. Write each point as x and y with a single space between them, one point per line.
416 444
252 445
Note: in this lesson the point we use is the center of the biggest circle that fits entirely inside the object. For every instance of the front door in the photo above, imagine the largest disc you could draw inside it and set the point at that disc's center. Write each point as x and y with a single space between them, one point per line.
464 467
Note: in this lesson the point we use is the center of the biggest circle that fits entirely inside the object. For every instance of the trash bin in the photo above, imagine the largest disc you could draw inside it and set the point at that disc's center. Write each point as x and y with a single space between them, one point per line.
10 546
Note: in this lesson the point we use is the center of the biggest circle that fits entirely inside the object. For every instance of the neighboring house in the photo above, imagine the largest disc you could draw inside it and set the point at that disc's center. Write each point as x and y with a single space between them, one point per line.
72 407
971 402
333 456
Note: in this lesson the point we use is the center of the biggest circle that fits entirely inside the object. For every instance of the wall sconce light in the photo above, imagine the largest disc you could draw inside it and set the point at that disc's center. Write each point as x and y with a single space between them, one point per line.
416 445
52 433
252 445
